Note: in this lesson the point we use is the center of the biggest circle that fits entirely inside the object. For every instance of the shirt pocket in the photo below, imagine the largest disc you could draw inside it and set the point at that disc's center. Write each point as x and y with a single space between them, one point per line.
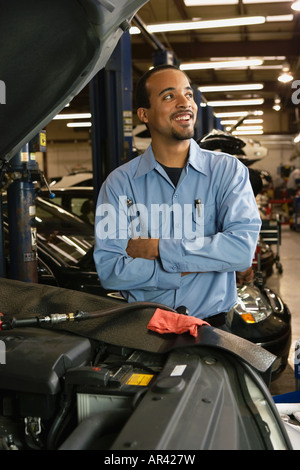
137 219
205 220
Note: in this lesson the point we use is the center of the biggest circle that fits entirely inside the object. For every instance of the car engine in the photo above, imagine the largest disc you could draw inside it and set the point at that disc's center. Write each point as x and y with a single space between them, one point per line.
109 383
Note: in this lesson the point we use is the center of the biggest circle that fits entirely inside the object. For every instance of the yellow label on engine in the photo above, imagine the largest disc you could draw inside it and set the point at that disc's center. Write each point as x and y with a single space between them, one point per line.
42 139
139 379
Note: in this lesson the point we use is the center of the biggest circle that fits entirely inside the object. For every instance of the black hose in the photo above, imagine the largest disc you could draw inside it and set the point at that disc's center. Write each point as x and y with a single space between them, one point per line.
13 322
57 424
80 315
94 427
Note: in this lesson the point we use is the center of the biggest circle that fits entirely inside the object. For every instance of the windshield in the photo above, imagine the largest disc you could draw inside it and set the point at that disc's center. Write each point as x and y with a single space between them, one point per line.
65 235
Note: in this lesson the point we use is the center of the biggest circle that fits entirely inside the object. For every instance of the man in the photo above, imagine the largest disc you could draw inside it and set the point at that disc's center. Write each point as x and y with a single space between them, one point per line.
174 224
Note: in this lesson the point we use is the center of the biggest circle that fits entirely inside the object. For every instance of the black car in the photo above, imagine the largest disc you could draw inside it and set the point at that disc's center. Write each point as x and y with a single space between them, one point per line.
80 200
65 248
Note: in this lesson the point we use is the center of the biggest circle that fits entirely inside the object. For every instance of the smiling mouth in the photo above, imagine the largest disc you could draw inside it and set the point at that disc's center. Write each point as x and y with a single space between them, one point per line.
183 117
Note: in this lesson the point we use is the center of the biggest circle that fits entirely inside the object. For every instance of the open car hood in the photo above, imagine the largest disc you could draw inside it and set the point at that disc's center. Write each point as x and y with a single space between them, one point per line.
49 50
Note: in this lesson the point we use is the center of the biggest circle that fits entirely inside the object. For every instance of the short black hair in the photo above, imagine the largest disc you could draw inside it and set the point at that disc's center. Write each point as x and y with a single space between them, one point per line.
141 94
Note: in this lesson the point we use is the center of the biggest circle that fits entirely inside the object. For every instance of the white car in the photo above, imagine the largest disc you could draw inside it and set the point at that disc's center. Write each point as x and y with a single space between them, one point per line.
141 138
74 179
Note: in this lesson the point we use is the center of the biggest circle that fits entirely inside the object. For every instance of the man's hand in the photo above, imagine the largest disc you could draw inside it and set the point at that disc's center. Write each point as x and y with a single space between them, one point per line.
146 248
243 277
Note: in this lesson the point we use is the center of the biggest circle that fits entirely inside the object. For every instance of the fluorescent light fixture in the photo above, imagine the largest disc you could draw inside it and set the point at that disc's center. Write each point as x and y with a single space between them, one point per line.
73 116
274 57
266 67
79 124
220 65
296 6
204 3
242 87
232 114
203 24
279 18
297 139
285 77
245 2
253 121
249 128
209 24
238 114
134 30
246 121
250 102
218 59
247 132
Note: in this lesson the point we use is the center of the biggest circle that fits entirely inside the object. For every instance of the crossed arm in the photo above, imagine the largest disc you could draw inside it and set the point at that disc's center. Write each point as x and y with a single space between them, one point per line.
148 248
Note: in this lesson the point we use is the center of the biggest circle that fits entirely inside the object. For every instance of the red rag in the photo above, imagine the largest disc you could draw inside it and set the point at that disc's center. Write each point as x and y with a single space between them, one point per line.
164 321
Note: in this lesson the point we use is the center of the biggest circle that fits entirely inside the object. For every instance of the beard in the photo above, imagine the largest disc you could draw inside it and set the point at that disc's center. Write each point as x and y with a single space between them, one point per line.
184 134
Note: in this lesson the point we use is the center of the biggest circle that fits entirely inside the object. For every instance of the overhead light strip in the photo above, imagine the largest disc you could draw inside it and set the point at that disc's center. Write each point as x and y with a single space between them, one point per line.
205 24
249 2
239 114
279 18
79 124
250 102
240 87
220 65
208 3
296 6
209 24
260 132
249 128
73 116
231 122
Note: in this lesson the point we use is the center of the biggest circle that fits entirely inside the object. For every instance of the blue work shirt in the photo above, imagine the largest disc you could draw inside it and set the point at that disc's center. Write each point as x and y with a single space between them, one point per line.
214 189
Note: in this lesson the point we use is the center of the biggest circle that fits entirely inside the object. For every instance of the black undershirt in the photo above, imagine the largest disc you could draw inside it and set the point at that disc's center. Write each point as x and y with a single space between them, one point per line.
173 173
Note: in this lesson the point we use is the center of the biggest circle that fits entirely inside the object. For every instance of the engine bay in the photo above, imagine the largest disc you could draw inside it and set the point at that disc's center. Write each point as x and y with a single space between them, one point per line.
109 383
61 391
43 368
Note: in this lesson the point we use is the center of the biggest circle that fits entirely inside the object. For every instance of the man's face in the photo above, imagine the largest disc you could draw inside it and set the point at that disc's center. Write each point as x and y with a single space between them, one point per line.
172 111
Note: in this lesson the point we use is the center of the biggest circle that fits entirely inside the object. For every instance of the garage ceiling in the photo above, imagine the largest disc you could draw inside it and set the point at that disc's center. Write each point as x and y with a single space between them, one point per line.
275 42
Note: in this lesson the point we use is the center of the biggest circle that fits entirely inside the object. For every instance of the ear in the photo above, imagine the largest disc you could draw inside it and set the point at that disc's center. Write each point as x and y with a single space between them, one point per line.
142 114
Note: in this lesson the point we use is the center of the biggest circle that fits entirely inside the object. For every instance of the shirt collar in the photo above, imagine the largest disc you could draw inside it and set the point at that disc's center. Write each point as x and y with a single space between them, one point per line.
197 159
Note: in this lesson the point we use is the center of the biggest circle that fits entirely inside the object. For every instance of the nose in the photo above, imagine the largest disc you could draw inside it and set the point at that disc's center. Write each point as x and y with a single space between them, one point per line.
184 101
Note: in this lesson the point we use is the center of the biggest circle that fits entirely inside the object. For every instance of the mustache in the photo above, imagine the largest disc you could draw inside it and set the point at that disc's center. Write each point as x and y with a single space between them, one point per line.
183 111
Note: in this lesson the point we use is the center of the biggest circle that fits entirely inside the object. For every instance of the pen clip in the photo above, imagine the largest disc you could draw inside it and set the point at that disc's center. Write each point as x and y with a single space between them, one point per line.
198 206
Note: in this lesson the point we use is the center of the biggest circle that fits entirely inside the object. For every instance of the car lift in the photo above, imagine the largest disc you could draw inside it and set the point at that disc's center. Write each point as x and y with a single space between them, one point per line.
23 169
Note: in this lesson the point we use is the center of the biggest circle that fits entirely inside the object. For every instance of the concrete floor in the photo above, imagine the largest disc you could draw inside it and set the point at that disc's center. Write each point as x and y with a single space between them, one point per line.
287 285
